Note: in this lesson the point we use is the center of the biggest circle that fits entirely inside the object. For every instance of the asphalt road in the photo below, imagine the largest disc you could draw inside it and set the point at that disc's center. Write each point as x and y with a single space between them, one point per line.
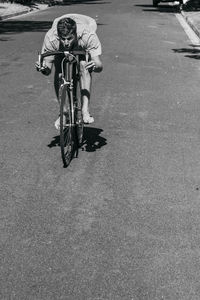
122 221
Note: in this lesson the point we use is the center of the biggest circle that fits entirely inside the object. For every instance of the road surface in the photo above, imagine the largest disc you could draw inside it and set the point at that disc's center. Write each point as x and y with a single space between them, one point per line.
122 221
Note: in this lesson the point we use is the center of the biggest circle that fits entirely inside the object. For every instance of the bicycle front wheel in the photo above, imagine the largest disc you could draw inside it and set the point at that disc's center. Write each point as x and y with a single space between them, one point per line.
67 134
78 112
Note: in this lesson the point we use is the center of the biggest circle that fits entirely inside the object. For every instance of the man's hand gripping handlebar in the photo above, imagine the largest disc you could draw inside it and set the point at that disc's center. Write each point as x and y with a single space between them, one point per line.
40 67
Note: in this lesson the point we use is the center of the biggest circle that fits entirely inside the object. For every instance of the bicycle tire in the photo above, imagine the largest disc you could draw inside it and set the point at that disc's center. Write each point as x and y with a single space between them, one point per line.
67 130
78 111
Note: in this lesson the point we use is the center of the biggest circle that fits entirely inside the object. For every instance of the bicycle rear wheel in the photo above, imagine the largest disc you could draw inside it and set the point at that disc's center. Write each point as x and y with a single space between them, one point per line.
67 132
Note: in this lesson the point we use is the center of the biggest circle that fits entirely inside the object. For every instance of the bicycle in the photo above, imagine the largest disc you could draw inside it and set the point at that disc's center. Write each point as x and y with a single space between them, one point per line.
71 121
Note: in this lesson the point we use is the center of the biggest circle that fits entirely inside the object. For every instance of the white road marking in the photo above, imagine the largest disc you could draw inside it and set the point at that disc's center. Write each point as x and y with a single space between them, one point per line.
188 30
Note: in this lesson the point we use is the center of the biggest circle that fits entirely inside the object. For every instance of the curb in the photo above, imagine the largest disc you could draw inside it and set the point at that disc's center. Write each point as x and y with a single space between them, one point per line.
15 14
23 12
191 24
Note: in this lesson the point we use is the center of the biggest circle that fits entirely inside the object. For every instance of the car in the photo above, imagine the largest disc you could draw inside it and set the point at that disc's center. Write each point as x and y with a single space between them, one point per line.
156 2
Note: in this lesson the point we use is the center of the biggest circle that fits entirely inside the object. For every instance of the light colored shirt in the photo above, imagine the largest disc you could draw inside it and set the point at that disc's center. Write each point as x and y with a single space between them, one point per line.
86 35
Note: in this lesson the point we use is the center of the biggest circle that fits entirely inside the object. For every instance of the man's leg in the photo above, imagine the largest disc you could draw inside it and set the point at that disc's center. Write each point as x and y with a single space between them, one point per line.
86 81
57 65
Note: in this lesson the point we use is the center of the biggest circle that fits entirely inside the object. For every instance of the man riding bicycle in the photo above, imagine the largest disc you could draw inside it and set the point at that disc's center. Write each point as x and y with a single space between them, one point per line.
72 31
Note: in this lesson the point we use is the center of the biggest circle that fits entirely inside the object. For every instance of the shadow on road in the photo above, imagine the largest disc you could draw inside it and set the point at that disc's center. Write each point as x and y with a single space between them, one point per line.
4 39
85 2
92 140
14 26
162 8
193 52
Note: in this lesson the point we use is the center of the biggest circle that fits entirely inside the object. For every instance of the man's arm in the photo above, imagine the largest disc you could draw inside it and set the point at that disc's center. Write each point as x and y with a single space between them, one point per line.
93 46
95 64
48 61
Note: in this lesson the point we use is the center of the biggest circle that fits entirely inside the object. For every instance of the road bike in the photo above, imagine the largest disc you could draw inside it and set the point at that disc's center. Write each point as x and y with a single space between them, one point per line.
70 100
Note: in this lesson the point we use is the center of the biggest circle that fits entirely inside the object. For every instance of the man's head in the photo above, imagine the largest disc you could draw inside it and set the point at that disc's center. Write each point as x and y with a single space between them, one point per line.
66 28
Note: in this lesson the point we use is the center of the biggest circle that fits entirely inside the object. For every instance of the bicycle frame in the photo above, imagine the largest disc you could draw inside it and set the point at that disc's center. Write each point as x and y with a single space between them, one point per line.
67 82
69 58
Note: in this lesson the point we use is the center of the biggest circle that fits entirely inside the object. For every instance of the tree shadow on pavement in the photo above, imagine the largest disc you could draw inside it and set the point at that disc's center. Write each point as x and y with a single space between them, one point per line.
4 39
17 26
92 140
162 8
193 52
12 27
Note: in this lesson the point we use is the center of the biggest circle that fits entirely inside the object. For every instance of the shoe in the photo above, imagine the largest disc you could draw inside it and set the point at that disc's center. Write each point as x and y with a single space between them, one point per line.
87 119
65 120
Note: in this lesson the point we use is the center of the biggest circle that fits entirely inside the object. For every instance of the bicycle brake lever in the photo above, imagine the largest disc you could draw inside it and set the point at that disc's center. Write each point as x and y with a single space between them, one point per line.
40 60
87 56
